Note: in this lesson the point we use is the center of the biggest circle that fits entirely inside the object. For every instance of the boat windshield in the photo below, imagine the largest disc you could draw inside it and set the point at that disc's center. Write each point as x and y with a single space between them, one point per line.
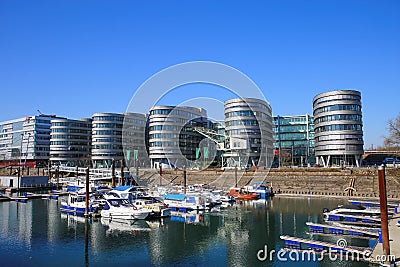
120 202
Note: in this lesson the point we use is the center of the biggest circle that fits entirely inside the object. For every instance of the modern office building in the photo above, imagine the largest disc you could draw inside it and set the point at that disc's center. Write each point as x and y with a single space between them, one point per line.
107 139
294 140
248 123
338 128
70 142
25 141
172 141
134 140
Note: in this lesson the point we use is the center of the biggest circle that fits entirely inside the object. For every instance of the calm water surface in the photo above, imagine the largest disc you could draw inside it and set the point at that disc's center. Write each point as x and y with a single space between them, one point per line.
37 234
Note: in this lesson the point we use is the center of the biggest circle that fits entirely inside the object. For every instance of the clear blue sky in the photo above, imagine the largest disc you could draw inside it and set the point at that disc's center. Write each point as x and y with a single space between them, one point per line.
75 58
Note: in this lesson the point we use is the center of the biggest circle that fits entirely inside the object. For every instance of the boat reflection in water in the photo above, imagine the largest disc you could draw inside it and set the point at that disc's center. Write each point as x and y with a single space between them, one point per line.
120 225
37 234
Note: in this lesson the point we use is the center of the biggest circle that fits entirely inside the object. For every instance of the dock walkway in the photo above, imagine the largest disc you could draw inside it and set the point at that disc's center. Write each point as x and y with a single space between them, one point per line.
394 241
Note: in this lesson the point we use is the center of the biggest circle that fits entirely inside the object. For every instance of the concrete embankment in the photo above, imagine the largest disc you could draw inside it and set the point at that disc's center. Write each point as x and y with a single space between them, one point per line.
297 181
300 181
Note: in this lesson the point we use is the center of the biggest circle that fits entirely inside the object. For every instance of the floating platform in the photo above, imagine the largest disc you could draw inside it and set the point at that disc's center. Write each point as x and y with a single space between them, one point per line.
372 204
318 246
323 229
354 220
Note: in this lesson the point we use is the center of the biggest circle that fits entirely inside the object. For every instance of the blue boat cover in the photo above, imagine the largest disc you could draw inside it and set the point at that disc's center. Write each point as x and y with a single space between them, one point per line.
122 188
179 197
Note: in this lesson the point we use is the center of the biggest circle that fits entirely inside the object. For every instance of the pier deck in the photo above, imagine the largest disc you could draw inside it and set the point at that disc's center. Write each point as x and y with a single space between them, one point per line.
394 241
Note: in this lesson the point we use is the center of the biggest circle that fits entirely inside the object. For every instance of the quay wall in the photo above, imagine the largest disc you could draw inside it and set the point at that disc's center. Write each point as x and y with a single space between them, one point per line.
296 181
313 181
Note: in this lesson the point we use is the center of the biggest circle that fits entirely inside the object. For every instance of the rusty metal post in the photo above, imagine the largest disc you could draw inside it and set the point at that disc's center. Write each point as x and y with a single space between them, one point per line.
58 176
19 176
160 174
10 170
113 173
235 176
383 207
184 179
122 172
87 192
137 172
48 173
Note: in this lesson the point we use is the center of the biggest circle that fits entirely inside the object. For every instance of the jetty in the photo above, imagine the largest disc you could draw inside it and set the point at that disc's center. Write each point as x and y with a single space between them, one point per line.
319 246
324 229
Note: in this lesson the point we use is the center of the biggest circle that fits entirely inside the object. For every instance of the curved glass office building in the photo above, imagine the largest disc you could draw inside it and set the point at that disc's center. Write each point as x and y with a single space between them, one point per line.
70 142
338 128
172 141
107 139
248 123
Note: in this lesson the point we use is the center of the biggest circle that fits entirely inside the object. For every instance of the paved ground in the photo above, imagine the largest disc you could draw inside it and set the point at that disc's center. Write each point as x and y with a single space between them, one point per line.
394 237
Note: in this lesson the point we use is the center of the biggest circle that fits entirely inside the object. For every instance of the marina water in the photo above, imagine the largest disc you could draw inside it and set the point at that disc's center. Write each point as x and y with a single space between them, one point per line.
37 234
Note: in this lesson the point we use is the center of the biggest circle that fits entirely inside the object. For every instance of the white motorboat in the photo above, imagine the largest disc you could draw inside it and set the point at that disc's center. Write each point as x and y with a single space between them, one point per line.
76 204
119 208
159 209
184 202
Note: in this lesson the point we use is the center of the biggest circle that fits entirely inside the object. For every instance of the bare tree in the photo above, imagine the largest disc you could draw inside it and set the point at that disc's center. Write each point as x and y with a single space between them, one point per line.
393 140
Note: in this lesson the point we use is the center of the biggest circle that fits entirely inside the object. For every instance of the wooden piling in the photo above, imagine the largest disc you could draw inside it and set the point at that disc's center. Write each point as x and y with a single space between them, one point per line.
137 172
122 172
184 179
160 174
113 173
384 212
236 176
19 176
87 192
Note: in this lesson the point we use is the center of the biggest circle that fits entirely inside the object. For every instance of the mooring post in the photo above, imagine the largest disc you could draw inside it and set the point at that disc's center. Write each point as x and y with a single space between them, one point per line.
137 172
19 177
122 172
113 173
160 174
184 179
383 207
48 172
235 176
87 193
58 176
77 175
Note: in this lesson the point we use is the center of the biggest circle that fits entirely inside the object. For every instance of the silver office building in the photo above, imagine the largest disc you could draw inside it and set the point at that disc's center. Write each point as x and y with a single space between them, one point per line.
338 128
26 141
172 142
248 123
107 134
70 142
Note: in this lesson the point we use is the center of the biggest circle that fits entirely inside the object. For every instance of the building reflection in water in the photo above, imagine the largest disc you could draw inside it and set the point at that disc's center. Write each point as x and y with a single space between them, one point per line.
230 237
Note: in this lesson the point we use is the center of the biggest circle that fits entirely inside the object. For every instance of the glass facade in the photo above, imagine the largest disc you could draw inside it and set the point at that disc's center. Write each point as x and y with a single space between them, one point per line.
294 140
338 128
70 142
26 139
172 141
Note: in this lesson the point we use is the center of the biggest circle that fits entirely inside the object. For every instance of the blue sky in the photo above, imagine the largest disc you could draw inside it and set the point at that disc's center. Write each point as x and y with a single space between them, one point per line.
75 58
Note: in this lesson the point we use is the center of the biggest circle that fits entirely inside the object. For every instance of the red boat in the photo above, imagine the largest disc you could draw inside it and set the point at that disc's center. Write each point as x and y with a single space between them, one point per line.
239 194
